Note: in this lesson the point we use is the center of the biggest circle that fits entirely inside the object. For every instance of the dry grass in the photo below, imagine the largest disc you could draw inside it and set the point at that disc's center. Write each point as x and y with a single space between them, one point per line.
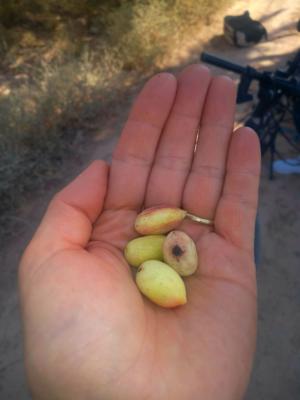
71 76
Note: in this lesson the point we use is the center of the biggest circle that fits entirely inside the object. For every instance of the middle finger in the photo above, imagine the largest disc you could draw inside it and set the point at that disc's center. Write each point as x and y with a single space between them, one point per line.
175 151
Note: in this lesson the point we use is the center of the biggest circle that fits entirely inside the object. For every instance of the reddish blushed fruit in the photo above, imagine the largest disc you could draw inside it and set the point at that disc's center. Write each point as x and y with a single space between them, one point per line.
159 220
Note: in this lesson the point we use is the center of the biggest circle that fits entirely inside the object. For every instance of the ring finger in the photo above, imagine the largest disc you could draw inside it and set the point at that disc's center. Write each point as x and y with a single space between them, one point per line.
204 184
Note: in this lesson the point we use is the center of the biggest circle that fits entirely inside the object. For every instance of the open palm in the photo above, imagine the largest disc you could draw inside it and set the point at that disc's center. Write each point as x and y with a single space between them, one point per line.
88 332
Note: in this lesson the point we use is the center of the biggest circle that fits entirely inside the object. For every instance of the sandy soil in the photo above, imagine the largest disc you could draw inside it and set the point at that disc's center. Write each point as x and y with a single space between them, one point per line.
277 367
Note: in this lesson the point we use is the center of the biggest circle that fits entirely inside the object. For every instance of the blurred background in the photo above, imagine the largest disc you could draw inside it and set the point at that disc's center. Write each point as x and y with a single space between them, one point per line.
69 72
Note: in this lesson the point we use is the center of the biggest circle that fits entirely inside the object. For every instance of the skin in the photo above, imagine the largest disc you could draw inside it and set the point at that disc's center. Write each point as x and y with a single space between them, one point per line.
88 332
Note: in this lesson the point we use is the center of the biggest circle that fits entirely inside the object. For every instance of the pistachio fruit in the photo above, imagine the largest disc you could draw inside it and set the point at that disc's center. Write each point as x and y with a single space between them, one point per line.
161 284
144 248
158 220
180 253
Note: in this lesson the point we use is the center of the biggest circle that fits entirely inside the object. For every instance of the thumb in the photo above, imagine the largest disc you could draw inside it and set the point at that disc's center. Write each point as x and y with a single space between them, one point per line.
68 221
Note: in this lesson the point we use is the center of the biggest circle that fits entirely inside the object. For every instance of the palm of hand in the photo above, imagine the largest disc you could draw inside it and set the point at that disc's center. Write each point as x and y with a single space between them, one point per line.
88 329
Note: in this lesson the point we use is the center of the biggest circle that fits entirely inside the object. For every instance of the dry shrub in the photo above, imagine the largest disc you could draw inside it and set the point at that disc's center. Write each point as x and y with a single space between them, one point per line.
143 31
39 118
39 121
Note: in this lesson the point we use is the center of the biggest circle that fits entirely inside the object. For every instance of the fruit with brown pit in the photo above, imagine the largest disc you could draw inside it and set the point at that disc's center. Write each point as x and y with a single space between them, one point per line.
180 253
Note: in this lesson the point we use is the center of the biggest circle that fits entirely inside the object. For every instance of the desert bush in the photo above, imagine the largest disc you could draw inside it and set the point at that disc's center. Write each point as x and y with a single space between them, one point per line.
143 31
76 74
39 121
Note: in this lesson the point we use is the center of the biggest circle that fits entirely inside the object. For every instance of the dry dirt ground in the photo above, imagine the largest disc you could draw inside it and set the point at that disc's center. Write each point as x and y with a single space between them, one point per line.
276 373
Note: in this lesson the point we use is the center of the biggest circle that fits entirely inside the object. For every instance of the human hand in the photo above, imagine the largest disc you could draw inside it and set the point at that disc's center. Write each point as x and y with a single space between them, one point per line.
88 332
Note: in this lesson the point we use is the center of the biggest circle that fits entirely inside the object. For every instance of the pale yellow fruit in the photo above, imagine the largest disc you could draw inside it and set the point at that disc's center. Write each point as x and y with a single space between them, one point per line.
158 220
180 253
144 248
161 284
